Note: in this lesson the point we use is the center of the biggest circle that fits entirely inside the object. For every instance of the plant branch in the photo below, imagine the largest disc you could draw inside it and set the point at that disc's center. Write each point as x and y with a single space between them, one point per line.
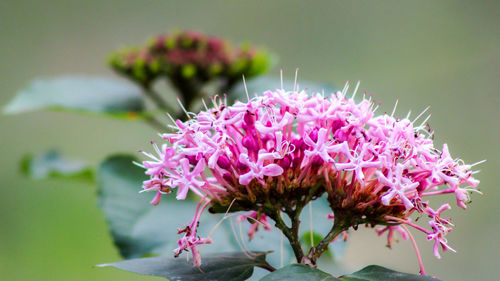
157 99
315 252
189 90
157 125
293 212
291 233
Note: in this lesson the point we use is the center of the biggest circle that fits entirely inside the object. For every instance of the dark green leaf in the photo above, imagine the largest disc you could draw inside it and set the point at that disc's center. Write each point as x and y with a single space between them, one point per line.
89 94
265 83
53 164
216 267
298 272
139 228
379 273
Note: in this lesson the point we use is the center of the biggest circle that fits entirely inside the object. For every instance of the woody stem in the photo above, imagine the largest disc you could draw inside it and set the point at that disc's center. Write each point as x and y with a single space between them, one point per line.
291 233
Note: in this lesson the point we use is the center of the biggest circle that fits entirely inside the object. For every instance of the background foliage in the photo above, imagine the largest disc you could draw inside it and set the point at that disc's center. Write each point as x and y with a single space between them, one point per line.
439 54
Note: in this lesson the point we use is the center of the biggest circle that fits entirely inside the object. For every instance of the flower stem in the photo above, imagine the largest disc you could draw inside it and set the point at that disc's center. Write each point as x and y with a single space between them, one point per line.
157 125
157 99
420 263
319 249
291 233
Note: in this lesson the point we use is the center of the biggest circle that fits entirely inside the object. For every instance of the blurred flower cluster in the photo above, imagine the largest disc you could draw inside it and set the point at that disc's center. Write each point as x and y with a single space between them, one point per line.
190 60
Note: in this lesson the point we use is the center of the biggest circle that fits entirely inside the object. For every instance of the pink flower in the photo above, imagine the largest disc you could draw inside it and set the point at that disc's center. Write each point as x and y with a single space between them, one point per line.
190 243
323 148
398 186
159 185
185 179
438 235
259 170
161 162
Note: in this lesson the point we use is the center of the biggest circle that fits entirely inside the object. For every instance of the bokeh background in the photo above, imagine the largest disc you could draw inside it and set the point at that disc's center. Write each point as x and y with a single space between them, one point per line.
439 53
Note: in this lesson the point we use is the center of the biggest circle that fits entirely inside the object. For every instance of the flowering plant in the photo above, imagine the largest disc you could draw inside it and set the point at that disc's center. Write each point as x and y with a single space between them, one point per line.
274 153
264 159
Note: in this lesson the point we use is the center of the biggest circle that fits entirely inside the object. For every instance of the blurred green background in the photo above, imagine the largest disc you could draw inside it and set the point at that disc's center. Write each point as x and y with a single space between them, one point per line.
439 53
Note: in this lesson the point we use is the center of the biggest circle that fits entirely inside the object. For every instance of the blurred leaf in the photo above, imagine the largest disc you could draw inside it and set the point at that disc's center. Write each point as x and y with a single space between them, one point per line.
298 272
305 239
379 273
264 83
139 228
89 94
220 267
52 164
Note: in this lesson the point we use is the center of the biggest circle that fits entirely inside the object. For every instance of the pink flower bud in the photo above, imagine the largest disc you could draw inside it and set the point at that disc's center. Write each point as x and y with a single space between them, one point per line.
249 143
223 162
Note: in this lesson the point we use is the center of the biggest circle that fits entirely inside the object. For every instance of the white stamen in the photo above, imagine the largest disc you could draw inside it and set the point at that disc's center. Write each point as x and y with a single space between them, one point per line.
138 164
422 125
471 189
408 115
355 90
281 78
477 163
173 121
155 146
219 222
150 156
394 109
246 90
243 241
204 104
345 88
183 108
238 239
214 101
295 82
420 115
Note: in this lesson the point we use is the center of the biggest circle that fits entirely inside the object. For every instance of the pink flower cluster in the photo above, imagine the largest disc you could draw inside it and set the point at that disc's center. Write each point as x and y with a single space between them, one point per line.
374 169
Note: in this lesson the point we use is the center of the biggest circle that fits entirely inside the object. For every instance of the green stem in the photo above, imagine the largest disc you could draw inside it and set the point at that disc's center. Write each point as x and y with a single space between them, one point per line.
291 233
315 252
157 99
157 125
189 90
160 103
273 210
